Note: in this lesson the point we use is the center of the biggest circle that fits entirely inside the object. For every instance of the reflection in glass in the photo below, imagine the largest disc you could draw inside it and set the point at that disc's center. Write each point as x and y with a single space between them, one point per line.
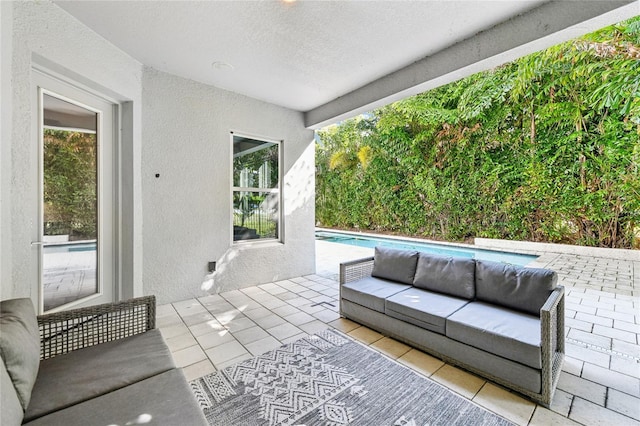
70 228
255 215
256 192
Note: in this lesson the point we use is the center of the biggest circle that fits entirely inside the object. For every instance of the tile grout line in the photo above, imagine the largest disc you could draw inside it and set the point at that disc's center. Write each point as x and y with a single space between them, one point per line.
603 350
256 324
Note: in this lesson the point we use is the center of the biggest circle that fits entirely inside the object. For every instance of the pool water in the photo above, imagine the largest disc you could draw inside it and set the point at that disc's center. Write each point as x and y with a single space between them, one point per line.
447 250
70 247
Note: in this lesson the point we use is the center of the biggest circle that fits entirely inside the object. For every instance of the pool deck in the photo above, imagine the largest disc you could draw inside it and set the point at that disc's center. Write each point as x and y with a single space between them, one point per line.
600 382
68 276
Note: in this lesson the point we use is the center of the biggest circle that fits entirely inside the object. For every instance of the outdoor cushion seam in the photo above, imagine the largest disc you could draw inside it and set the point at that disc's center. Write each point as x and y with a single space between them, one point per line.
414 318
64 407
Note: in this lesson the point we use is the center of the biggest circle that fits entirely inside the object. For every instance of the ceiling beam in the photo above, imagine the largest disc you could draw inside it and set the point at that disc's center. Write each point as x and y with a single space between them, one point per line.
545 26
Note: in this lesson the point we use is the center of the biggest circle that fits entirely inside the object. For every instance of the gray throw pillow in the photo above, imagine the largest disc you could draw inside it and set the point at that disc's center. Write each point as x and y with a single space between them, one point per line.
20 345
516 287
395 265
454 276
11 411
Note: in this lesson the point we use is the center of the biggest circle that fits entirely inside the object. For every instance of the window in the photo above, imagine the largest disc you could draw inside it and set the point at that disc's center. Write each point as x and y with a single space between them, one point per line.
256 189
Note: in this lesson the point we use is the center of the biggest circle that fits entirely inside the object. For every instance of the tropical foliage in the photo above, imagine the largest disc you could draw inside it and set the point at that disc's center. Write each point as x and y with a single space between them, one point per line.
70 184
545 148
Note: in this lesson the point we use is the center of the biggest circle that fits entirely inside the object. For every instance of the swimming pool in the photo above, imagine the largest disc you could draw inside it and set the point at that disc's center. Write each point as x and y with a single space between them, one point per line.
458 251
70 247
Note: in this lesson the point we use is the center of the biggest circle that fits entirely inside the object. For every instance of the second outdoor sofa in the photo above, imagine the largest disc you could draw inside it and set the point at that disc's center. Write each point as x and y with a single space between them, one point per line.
100 365
500 321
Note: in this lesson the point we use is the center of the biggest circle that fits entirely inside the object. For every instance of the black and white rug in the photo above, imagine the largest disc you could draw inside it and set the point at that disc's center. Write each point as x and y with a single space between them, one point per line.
330 379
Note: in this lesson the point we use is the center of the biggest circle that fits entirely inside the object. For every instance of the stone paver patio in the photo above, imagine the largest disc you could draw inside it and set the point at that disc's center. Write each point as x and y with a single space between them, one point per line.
599 385
68 276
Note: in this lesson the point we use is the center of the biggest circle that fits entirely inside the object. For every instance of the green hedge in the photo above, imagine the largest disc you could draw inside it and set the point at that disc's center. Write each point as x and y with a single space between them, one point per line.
545 148
70 180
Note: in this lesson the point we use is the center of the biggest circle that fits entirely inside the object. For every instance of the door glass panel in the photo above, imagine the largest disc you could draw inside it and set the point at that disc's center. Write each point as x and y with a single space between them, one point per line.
70 190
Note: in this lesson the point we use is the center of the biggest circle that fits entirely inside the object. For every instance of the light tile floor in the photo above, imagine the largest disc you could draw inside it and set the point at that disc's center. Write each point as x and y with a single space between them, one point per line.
599 385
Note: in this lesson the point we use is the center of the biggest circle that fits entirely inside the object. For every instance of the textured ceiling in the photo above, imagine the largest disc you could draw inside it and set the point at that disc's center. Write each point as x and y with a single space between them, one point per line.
299 55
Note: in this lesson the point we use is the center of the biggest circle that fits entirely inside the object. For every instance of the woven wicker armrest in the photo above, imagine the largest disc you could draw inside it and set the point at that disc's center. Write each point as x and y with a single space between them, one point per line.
552 339
355 270
552 320
65 331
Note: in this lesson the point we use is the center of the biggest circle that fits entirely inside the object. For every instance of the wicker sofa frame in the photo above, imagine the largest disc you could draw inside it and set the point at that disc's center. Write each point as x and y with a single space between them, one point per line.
551 327
66 331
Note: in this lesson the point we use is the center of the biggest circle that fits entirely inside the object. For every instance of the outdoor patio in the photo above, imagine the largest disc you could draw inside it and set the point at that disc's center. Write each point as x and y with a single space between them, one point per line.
600 382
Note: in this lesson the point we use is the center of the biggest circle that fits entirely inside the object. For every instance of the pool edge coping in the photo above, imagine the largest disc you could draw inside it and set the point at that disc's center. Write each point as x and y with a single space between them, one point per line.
602 252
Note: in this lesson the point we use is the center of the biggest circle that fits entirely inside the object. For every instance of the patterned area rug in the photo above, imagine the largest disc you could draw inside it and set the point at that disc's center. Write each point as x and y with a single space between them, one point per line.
329 379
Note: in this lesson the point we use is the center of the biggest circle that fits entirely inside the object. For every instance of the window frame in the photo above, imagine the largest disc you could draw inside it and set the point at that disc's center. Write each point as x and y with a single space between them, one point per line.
278 189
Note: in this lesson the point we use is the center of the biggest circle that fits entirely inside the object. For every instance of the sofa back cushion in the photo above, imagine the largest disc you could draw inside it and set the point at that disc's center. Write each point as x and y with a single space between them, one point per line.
454 276
20 345
515 287
395 265
11 412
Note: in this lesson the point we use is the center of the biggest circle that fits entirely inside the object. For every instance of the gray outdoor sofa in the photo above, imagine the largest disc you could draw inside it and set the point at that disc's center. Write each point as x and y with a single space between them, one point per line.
500 321
102 365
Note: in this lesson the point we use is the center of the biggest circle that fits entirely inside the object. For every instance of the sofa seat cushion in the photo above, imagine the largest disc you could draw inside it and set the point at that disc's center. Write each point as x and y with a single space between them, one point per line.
371 292
454 276
504 332
165 399
423 308
20 345
80 375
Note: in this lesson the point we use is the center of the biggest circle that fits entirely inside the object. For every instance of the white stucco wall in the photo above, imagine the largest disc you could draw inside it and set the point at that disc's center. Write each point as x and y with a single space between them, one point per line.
6 33
42 33
186 214
171 226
